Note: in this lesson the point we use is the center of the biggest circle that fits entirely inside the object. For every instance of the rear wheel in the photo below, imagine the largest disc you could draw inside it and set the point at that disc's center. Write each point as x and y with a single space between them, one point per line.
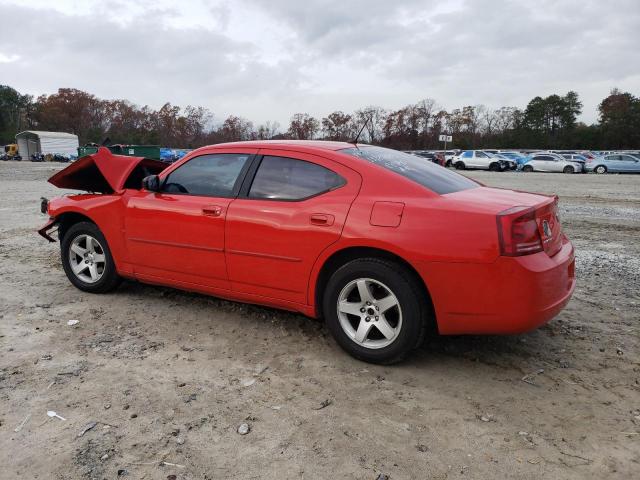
568 169
527 168
375 310
460 166
495 167
600 169
87 260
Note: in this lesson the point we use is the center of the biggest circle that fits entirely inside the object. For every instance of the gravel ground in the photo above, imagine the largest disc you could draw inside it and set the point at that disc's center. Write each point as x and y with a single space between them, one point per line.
168 377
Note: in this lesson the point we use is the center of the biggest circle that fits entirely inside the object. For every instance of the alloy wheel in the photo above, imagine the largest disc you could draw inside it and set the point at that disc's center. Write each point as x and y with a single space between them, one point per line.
87 258
369 313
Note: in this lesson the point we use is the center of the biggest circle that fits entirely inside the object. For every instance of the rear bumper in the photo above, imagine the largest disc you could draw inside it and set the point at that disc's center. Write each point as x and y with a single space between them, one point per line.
511 295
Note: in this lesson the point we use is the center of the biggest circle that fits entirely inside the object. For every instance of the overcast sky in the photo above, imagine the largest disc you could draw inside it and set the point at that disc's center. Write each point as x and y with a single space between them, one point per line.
266 60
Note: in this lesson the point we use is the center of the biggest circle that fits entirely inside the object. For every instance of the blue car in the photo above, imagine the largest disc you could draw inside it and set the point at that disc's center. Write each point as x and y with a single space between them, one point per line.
615 163
519 158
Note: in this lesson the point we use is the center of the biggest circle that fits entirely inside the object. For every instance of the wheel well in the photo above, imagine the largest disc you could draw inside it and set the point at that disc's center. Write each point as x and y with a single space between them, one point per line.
67 220
343 257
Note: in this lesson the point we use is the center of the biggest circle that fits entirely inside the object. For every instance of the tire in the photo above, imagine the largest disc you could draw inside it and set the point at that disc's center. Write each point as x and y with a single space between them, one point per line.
600 169
460 166
527 168
99 275
495 167
447 163
405 322
568 169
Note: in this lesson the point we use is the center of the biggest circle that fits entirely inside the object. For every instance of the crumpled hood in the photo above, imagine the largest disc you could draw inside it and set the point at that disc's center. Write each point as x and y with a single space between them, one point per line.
103 172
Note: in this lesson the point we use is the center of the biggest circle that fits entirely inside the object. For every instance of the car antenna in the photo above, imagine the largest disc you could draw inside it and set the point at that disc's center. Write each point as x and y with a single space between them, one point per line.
355 140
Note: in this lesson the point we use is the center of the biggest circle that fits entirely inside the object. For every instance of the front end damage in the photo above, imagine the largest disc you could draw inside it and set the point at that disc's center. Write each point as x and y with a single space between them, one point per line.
101 174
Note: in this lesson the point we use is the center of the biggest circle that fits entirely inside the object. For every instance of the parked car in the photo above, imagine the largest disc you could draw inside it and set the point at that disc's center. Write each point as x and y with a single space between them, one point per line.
383 245
509 164
479 160
618 163
551 162
519 158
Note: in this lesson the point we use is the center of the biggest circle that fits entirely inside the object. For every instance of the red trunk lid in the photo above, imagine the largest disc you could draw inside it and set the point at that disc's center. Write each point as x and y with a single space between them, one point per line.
496 200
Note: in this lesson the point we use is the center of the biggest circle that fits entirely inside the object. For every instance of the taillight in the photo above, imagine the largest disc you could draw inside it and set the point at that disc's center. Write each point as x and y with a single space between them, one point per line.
518 232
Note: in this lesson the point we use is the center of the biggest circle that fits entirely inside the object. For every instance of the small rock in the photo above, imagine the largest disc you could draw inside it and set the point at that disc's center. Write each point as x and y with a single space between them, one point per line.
104 457
180 441
524 434
71 323
244 428
46 357
422 448
382 476
486 418
181 384
171 477
134 415
122 472
249 382
107 406
619 351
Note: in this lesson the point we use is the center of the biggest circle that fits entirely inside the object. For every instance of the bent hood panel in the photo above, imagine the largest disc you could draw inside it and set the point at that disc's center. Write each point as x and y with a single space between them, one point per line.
102 172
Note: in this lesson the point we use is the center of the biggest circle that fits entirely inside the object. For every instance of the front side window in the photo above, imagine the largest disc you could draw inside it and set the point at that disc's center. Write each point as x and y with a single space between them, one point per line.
208 175
430 175
280 178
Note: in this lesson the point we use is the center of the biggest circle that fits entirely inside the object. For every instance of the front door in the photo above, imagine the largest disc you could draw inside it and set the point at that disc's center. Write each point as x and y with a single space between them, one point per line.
294 208
178 234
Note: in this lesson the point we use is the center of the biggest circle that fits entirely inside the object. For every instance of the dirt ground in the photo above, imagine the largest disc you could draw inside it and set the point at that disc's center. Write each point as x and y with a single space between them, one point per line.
169 376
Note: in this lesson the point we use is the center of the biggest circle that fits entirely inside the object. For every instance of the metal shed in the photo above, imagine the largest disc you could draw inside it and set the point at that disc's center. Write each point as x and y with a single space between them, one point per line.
34 141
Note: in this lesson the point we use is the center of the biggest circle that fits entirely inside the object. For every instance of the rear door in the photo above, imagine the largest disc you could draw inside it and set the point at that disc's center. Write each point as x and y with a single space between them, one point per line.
292 206
178 234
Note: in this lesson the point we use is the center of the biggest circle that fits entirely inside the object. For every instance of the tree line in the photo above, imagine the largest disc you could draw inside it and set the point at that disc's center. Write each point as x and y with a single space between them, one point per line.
545 122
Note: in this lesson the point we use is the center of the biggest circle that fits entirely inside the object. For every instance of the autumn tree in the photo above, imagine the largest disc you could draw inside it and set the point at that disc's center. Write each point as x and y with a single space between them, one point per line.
303 127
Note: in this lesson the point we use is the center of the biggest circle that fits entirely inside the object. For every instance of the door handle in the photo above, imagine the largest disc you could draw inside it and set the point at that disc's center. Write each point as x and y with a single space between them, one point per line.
212 210
321 219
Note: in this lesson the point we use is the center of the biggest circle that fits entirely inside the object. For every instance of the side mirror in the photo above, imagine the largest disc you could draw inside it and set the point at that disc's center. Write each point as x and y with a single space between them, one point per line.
151 183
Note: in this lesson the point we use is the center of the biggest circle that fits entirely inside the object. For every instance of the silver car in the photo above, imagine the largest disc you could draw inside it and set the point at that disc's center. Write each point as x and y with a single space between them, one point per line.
615 163
551 162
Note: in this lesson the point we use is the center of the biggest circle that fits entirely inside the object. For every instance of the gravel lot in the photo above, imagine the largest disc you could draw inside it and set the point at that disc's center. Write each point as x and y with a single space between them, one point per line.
169 376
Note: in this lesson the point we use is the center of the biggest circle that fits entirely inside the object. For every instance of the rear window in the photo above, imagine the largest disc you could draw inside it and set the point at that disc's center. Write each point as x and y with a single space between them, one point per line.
428 174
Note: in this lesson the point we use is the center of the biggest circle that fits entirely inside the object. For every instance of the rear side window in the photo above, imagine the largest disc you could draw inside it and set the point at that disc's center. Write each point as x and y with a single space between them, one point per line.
280 178
208 175
434 177
467 154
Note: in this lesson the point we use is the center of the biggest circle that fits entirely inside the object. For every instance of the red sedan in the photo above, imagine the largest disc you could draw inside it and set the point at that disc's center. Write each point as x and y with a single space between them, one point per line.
383 245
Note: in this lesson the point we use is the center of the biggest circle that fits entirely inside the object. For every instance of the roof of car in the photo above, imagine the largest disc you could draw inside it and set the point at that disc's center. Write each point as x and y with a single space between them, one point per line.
314 144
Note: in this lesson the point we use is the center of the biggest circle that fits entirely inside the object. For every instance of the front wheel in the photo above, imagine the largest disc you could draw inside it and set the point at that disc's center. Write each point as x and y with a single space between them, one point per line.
527 168
460 166
87 260
376 310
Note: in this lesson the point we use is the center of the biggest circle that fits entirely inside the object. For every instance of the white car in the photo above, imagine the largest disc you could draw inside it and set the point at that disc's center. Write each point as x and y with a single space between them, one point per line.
477 159
551 162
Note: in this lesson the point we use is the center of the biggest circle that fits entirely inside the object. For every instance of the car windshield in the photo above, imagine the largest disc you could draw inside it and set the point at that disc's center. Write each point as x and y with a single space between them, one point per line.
427 174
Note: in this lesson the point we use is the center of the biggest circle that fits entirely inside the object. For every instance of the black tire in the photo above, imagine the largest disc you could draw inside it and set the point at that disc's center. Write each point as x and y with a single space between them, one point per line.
527 168
415 312
447 163
600 169
460 166
495 167
109 277
568 169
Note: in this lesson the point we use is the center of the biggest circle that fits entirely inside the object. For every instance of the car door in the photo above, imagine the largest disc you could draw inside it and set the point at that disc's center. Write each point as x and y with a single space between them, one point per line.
294 207
481 160
627 163
178 233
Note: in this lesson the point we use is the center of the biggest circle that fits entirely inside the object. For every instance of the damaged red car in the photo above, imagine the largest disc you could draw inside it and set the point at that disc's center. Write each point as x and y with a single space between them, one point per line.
381 244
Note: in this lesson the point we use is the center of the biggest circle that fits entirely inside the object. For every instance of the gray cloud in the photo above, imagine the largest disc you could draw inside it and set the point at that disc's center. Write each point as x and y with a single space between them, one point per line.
267 60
